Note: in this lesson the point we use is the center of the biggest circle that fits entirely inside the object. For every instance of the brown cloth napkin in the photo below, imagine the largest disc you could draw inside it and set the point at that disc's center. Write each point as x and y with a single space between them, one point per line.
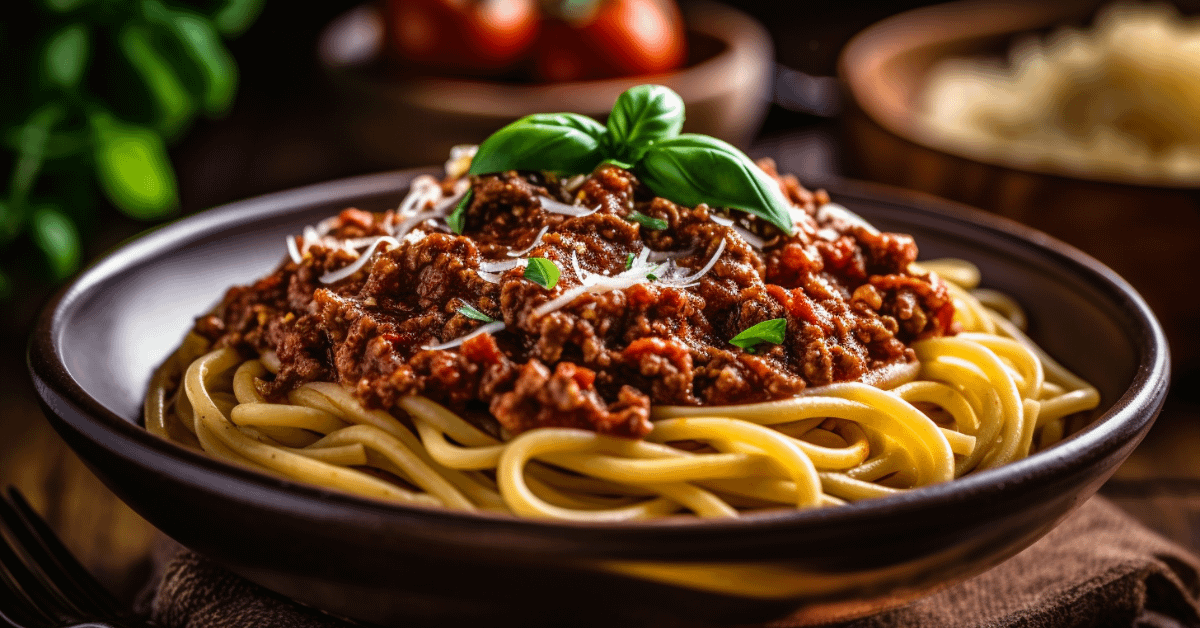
1100 567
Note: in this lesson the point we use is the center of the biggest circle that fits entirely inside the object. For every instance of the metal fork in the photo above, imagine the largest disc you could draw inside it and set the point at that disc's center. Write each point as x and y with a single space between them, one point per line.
42 585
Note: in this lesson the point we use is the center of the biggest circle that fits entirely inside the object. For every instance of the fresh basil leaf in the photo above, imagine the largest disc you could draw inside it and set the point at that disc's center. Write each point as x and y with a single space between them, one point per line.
458 218
470 312
767 331
236 16
565 143
652 277
648 222
641 116
31 140
66 56
173 104
693 169
133 167
202 45
629 258
58 240
543 272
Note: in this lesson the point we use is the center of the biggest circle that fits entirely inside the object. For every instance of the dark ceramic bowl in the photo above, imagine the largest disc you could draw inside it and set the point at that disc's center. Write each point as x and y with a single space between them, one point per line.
96 344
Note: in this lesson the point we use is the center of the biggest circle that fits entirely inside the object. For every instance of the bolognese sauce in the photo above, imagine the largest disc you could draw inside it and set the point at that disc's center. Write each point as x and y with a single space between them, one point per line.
600 359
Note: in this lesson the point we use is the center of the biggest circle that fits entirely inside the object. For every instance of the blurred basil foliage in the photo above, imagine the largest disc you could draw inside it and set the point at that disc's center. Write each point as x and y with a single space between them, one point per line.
94 91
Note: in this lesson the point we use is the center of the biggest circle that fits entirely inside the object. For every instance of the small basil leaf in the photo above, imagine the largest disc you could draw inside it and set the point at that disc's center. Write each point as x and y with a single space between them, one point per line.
133 167
236 16
648 222
565 143
31 140
652 277
203 47
470 312
771 331
66 56
641 116
629 258
693 169
173 104
458 218
58 240
543 272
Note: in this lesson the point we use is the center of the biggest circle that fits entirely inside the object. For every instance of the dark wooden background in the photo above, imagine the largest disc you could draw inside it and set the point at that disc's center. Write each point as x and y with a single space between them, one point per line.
278 136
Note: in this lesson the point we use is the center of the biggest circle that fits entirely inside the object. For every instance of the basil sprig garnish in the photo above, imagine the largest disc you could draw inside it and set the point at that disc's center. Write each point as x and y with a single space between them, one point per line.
771 331
543 272
642 134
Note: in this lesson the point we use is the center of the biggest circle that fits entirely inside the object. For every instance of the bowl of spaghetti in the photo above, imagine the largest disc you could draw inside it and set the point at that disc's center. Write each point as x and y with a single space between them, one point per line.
428 394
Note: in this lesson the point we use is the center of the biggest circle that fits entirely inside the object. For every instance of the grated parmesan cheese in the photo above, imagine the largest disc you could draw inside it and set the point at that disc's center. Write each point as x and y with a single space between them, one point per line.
639 271
836 213
536 241
556 207
292 250
489 328
354 267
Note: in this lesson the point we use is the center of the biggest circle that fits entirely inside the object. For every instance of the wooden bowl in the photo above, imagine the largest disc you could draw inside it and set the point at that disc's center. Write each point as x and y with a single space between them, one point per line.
96 344
1147 232
407 121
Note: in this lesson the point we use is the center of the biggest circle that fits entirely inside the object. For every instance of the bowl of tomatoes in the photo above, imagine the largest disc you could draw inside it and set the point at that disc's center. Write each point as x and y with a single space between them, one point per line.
414 78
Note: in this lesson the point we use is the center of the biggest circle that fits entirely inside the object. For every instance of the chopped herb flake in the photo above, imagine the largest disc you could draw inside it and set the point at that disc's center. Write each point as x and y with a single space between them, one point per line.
652 277
470 312
648 222
771 331
543 272
629 261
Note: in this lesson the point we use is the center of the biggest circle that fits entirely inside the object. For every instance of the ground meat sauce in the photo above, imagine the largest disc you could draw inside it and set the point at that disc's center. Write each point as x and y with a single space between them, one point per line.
599 362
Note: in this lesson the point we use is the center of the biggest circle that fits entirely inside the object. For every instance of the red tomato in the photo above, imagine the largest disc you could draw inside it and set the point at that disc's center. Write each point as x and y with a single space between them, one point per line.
465 36
623 38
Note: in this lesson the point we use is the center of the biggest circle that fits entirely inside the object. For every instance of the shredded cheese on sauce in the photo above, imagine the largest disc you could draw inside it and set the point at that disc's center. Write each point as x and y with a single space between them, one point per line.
536 241
556 207
489 328
354 267
668 275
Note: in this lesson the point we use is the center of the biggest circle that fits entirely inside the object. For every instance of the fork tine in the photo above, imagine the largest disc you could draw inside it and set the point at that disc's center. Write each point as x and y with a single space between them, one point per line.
16 609
60 566
23 584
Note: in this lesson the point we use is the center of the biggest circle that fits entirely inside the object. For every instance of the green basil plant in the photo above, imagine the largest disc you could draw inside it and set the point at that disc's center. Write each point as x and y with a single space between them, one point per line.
95 90
642 135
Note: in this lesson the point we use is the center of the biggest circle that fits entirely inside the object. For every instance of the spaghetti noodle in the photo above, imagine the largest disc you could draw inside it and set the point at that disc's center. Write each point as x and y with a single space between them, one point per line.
974 400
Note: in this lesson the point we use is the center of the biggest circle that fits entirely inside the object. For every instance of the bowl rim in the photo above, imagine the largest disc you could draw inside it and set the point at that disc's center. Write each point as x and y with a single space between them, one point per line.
1126 417
743 37
862 63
